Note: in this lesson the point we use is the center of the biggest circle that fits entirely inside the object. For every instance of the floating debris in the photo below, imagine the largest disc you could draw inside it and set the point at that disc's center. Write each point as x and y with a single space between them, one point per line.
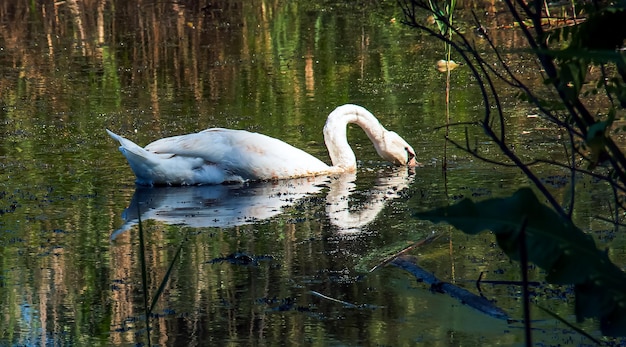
239 258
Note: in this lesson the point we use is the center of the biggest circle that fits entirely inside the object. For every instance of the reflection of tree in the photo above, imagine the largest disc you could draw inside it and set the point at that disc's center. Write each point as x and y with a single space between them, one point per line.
174 67
147 54
71 66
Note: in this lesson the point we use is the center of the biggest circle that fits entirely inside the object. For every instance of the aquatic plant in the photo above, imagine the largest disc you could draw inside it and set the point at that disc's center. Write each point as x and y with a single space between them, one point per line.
149 303
564 251
443 15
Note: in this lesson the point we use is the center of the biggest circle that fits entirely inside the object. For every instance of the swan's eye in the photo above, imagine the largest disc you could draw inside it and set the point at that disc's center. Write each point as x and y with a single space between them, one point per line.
410 155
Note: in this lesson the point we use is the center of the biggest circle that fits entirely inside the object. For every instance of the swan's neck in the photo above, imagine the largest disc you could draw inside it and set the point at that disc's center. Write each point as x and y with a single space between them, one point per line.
335 137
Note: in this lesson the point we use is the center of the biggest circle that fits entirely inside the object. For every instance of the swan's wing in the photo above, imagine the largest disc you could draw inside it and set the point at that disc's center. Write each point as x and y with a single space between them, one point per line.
212 149
250 155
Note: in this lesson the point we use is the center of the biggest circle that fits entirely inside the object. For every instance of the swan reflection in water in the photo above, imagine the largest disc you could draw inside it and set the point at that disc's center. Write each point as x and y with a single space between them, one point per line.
225 206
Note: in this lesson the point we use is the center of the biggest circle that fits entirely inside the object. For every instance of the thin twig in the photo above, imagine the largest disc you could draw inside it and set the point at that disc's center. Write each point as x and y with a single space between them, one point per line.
454 124
345 303
144 276
389 259
571 326
475 154
523 256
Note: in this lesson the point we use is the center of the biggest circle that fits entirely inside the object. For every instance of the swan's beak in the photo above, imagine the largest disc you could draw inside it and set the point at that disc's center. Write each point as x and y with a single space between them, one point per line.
411 162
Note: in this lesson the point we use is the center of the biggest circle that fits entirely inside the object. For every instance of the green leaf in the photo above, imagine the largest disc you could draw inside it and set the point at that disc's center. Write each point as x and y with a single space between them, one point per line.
166 278
596 139
555 244
443 18
572 76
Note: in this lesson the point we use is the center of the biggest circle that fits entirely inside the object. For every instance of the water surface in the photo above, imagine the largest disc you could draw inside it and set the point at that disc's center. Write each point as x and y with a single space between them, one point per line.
69 239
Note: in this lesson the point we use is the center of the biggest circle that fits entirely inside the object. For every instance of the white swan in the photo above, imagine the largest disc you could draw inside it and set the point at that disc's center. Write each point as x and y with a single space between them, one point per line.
217 155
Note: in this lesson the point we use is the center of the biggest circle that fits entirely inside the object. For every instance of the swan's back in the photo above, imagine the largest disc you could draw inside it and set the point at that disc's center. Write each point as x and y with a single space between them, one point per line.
216 155
246 154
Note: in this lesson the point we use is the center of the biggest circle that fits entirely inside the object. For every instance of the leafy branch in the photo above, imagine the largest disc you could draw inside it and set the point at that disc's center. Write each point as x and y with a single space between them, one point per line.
565 252
586 58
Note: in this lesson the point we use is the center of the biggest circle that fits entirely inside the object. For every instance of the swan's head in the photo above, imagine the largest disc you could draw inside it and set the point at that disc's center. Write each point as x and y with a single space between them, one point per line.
396 150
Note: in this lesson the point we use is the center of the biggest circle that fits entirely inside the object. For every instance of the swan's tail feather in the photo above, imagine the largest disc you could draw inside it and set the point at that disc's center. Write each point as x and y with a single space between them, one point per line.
141 161
127 144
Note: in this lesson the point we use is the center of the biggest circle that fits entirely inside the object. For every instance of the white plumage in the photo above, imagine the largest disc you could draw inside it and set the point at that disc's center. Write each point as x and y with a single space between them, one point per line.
217 155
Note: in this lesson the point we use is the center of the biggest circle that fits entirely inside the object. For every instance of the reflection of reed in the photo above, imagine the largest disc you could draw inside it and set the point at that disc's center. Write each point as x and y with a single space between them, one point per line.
122 292
78 23
222 206
187 45
139 55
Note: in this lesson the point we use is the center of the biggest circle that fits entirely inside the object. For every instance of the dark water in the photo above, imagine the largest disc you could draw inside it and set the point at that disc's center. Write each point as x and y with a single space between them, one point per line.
69 242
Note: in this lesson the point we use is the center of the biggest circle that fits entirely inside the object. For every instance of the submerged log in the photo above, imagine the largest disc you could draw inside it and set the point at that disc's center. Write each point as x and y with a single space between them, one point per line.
463 295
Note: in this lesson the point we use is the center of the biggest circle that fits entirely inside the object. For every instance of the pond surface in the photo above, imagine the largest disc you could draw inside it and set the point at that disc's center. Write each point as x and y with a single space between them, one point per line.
268 263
